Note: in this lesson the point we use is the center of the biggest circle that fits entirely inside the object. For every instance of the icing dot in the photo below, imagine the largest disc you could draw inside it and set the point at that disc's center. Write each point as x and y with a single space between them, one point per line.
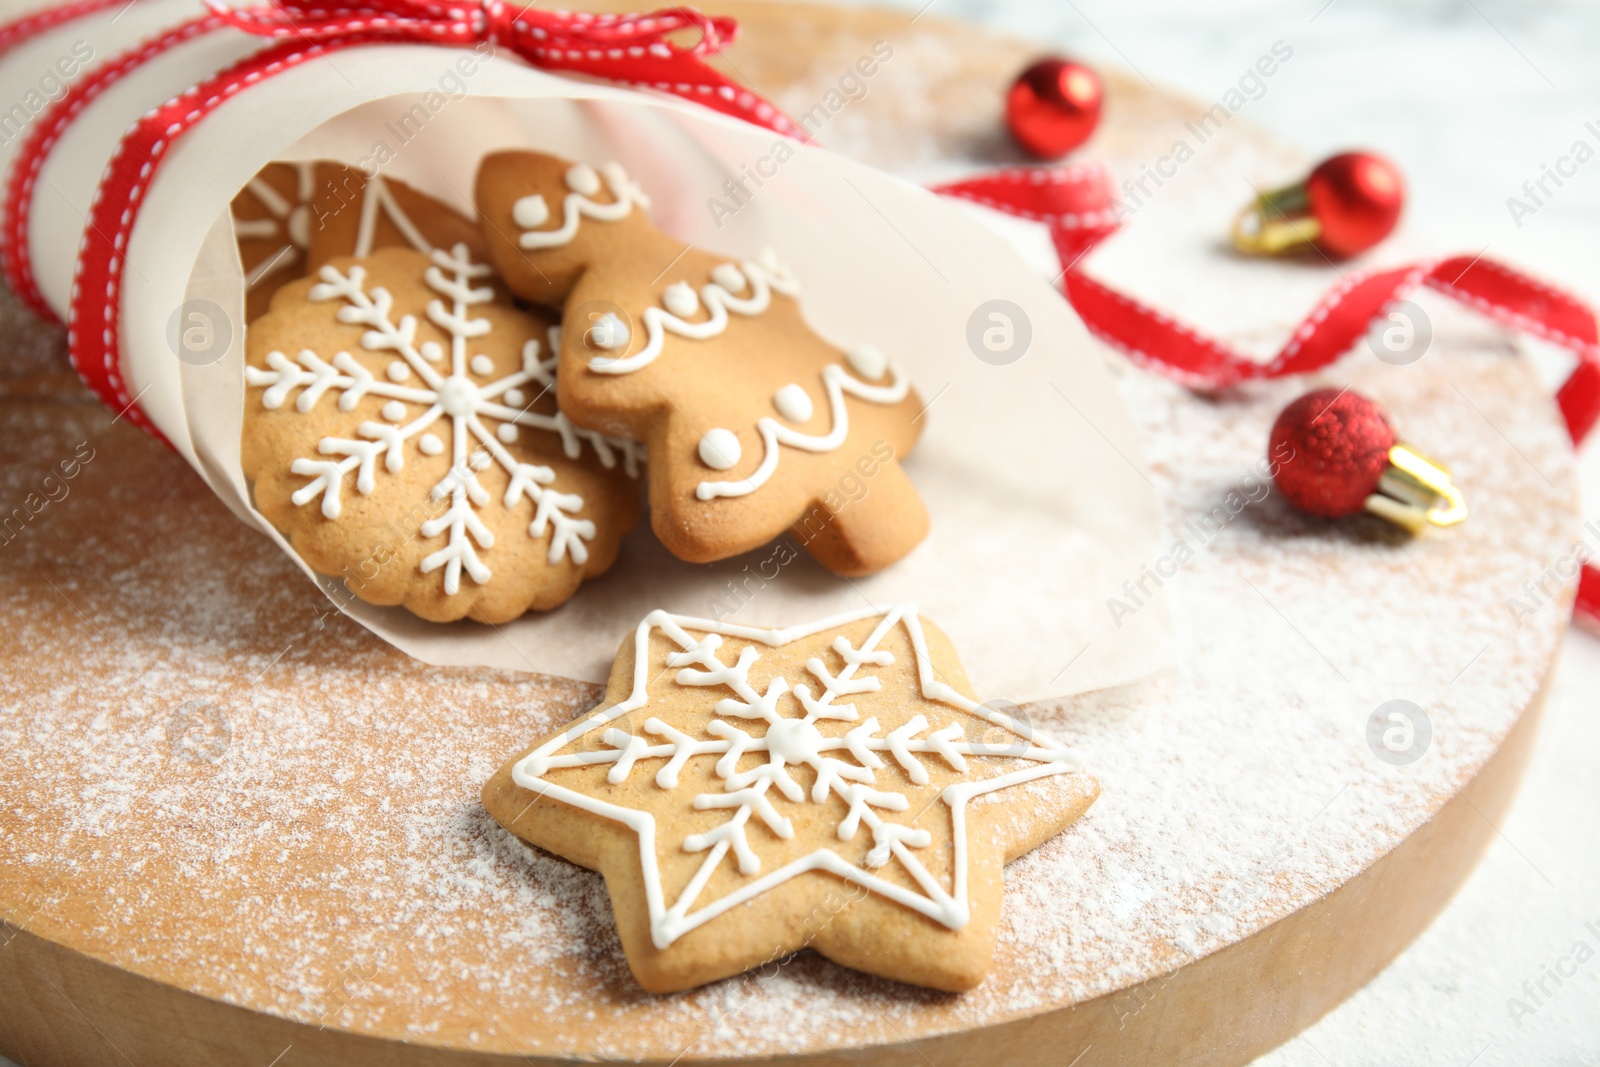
729 277
507 432
394 411
515 397
608 332
478 460
530 212
867 361
430 445
398 371
793 403
481 365
458 396
431 351
681 299
719 449
583 180
794 741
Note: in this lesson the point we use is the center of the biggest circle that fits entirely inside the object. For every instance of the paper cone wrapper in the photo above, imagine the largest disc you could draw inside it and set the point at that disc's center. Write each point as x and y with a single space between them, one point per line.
1030 469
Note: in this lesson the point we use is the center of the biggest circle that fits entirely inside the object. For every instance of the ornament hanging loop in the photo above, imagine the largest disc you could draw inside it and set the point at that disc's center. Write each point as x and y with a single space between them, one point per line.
1347 204
1416 492
1276 222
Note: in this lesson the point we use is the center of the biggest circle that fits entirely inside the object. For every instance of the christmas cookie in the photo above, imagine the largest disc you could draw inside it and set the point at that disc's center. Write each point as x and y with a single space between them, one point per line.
291 218
355 215
401 430
748 793
272 226
754 424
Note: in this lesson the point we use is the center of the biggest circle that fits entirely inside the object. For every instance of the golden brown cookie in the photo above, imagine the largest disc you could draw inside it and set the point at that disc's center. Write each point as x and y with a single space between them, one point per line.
352 214
291 218
271 223
401 430
748 793
753 423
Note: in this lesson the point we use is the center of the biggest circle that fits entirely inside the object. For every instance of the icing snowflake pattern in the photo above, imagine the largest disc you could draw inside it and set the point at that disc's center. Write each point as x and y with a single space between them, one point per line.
849 764
286 221
427 388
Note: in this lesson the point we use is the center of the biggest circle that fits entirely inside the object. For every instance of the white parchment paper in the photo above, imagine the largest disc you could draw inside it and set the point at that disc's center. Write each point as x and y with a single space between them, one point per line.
1030 469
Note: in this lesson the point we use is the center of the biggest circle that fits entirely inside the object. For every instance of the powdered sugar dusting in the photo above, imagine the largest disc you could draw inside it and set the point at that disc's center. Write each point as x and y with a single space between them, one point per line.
212 778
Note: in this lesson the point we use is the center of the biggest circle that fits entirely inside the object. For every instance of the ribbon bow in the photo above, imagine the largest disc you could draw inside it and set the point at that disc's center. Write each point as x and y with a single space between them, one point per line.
631 50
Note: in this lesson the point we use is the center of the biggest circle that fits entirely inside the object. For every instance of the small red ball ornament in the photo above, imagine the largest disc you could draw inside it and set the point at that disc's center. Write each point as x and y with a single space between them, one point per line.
1333 454
1053 107
1346 205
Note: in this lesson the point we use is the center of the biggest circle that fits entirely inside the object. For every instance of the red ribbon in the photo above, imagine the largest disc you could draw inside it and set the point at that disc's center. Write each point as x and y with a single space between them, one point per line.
1078 206
629 50
632 50
1075 203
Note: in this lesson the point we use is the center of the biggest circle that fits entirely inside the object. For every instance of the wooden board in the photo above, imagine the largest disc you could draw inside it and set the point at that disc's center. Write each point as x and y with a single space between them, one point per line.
238 829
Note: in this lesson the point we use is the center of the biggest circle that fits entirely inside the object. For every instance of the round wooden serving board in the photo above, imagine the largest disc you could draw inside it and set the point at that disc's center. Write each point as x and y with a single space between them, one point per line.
239 829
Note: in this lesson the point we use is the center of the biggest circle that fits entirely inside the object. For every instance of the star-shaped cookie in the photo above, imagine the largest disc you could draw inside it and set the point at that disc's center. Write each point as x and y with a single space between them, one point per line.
748 793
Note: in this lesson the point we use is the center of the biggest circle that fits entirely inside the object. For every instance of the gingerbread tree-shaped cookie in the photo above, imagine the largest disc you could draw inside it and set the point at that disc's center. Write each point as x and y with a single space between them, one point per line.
754 424
748 793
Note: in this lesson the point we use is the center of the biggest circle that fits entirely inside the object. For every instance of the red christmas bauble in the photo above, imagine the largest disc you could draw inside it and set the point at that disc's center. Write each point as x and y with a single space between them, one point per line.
1053 107
1357 198
1328 450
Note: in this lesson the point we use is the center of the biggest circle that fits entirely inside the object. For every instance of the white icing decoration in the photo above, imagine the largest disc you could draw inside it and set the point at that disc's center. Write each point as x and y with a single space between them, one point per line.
394 411
453 398
516 397
729 277
793 403
430 445
836 381
507 432
286 220
763 278
719 449
609 332
376 198
789 742
624 191
719 301
293 220
398 372
582 179
481 365
867 361
530 212
681 299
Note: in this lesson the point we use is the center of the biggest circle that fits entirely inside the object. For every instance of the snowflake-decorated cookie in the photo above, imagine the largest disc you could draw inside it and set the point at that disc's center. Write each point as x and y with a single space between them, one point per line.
755 425
355 215
748 793
272 225
401 430
291 218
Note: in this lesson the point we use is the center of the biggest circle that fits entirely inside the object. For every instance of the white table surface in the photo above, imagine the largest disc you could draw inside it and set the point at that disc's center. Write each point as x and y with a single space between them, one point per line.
1470 98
